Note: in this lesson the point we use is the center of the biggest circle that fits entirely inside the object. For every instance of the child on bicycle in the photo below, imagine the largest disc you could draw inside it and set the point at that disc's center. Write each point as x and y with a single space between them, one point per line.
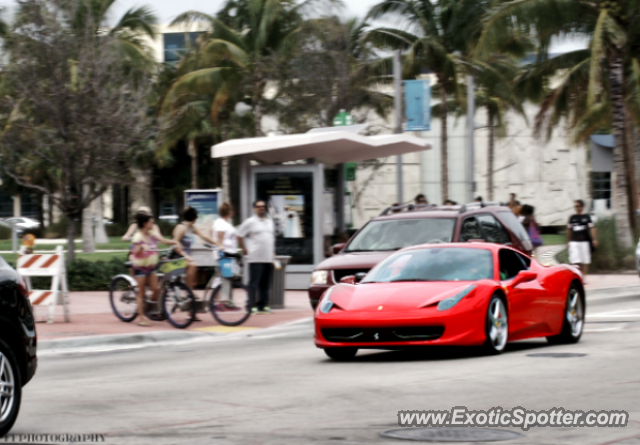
144 255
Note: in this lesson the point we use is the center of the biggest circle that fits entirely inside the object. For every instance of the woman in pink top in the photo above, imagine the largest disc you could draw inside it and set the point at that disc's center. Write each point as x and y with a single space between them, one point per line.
144 255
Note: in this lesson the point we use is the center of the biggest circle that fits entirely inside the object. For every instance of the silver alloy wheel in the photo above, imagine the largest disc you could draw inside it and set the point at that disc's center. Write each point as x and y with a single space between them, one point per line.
575 312
499 330
7 388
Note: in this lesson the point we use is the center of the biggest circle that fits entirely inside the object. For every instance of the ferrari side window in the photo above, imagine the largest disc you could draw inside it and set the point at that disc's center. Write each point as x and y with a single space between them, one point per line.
470 230
510 264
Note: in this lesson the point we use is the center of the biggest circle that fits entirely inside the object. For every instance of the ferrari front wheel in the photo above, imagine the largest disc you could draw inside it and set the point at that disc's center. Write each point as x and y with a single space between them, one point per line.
341 354
496 326
573 320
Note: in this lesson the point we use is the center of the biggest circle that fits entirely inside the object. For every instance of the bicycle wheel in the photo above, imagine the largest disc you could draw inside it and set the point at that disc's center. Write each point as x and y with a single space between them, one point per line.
229 303
122 296
179 305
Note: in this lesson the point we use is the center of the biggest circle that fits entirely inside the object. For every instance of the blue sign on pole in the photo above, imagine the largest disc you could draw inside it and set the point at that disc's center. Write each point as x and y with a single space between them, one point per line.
418 105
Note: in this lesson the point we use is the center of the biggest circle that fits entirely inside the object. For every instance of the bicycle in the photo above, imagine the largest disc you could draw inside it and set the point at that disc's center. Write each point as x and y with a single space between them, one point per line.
176 302
227 297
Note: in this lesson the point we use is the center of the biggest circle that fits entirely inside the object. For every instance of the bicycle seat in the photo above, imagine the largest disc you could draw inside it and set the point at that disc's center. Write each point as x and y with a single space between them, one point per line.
128 264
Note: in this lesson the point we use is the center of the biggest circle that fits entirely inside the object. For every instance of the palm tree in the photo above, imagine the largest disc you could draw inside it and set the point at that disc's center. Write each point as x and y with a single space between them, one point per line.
598 86
334 68
436 35
495 92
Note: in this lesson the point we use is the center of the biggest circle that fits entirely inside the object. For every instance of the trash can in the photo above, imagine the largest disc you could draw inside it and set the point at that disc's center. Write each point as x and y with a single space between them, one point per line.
276 299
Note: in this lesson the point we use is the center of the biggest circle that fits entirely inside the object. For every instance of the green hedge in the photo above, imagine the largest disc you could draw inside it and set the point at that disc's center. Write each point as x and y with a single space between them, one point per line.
85 275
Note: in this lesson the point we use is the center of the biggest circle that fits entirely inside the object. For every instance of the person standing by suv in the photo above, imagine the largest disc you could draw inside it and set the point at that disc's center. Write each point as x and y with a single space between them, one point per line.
582 238
256 237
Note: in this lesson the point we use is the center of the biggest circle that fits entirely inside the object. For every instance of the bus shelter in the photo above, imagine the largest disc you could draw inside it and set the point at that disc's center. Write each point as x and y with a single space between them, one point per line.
295 191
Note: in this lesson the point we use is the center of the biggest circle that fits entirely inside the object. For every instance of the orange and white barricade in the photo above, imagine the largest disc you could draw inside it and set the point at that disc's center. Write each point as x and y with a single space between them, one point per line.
34 265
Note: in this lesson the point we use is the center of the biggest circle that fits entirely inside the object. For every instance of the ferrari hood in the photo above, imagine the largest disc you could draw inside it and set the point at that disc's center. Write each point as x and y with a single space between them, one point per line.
394 296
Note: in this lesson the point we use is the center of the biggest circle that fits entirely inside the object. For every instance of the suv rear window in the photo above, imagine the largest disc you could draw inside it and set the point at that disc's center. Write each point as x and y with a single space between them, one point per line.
514 225
397 234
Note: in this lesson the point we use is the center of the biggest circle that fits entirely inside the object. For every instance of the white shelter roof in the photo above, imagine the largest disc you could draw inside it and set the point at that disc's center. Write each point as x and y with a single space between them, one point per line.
328 147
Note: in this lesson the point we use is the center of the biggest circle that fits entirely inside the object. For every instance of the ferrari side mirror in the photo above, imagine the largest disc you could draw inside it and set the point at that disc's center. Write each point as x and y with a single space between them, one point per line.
524 276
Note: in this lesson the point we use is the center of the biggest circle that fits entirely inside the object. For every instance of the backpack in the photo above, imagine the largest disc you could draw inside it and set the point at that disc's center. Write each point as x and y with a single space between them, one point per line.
534 236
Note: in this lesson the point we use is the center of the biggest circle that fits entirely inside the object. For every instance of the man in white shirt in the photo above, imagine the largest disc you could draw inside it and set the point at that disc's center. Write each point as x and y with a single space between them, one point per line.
256 237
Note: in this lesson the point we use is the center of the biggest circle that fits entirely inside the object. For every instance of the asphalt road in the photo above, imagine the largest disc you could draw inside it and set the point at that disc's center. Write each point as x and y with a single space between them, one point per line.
275 387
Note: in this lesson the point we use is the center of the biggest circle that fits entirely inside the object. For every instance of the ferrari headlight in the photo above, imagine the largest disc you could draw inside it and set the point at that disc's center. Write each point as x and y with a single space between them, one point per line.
326 304
319 277
450 302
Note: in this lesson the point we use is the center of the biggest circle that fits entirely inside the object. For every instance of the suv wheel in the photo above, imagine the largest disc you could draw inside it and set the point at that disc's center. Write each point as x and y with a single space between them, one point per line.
10 389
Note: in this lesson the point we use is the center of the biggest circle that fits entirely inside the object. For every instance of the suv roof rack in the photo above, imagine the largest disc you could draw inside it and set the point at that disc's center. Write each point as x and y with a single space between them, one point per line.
481 204
408 207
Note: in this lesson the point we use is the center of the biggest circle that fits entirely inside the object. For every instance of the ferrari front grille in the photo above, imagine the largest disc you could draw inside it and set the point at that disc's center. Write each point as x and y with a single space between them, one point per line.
373 335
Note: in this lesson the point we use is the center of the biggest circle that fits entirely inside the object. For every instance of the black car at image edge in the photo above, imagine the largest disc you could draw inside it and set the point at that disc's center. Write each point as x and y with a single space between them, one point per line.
18 341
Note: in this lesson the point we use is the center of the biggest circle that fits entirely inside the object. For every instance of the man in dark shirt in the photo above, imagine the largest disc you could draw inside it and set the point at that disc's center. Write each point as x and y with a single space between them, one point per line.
581 235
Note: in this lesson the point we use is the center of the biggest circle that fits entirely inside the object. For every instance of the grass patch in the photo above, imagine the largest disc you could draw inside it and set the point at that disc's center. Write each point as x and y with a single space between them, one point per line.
554 239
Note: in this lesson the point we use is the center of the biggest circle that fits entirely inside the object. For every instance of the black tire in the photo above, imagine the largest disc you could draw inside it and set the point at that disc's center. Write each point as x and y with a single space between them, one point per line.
496 326
244 306
120 290
9 406
178 305
571 327
341 354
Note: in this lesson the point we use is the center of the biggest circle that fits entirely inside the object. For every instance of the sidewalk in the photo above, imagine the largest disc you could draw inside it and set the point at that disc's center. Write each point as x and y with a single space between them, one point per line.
91 315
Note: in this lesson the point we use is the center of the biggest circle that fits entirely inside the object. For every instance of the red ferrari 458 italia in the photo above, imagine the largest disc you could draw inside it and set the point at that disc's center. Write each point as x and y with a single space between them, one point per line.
451 294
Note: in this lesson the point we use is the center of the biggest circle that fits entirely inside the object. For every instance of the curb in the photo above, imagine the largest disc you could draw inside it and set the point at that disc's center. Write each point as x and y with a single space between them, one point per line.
123 341
114 342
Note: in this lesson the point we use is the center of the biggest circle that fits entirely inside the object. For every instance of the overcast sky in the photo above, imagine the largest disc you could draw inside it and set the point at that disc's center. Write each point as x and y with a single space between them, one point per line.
167 10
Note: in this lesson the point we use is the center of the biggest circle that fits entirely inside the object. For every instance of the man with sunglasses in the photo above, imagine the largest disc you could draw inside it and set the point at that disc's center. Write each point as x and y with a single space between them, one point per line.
582 238
256 237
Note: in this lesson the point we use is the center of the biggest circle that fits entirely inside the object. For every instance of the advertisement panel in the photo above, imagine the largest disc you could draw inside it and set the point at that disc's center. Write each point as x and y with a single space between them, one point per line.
206 202
290 200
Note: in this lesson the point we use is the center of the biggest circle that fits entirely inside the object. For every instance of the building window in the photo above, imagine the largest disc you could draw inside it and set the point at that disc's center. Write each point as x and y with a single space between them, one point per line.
175 44
6 205
601 186
29 203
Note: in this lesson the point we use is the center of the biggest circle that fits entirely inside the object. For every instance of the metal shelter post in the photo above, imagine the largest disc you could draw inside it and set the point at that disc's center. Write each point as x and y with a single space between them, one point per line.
340 189
245 185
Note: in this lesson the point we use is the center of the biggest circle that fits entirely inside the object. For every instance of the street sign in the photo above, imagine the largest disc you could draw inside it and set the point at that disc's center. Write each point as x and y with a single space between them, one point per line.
418 105
342 119
350 171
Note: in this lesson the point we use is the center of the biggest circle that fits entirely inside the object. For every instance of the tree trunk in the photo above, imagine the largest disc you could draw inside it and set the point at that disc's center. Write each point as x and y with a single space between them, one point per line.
100 232
88 242
490 156
50 208
444 150
71 238
193 152
632 184
624 211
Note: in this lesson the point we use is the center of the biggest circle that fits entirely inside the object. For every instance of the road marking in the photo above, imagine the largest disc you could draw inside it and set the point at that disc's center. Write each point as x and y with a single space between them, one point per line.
224 329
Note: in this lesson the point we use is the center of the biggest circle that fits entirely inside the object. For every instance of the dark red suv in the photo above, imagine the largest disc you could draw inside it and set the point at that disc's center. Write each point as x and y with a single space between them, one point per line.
405 226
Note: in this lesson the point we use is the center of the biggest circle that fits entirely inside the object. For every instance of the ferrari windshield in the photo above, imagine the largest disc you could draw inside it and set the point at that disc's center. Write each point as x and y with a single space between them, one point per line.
434 264
400 233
